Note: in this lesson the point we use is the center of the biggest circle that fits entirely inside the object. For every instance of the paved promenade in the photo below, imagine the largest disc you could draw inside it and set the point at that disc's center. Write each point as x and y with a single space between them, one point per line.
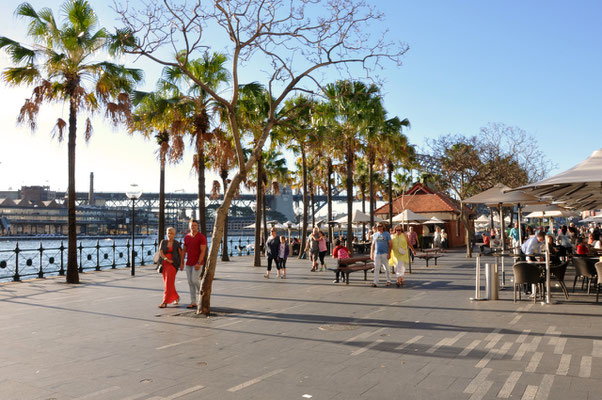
299 338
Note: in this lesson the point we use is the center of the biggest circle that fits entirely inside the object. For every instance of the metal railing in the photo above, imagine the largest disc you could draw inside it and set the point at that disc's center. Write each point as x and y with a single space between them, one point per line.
26 263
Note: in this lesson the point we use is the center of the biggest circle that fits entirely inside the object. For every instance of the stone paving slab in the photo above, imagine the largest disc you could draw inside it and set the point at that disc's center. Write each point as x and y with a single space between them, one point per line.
299 338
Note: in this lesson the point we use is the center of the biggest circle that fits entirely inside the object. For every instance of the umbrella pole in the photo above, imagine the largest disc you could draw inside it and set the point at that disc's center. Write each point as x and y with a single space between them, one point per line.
520 225
548 295
502 234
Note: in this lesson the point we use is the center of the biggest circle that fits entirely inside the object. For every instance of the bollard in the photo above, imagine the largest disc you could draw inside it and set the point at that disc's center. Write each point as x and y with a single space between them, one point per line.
491 281
477 288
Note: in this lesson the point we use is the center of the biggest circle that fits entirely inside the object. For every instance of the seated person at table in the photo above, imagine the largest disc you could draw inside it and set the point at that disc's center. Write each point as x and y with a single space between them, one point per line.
486 243
582 249
533 245
596 241
555 251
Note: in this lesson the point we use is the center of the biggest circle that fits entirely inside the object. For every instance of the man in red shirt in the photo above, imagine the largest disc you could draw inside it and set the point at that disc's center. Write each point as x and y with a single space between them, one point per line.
195 246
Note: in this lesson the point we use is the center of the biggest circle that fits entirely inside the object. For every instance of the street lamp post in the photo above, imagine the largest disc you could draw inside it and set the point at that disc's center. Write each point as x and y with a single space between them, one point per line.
133 193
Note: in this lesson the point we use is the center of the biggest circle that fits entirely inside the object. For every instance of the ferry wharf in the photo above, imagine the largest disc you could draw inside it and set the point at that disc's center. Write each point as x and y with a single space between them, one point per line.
303 337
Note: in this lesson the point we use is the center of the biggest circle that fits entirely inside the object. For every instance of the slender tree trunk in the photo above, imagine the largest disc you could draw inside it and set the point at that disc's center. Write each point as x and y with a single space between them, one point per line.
305 203
204 304
72 271
258 208
468 232
265 235
225 257
329 202
363 191
349 161
312 202
201 183
161 233
371 187
390 189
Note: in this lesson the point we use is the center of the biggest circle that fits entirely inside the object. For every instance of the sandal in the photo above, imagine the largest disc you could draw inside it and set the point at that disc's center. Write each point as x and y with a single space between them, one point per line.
373 285
191 306
162 305
388 284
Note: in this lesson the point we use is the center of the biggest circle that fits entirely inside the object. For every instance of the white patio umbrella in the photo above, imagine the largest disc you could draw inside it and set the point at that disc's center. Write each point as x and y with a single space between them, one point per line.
408 216
358 217
483 219
579 187
434 221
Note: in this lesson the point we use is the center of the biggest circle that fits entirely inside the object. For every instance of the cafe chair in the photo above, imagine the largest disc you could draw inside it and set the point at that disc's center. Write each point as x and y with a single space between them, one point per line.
530 274
558 272
598 266
585 271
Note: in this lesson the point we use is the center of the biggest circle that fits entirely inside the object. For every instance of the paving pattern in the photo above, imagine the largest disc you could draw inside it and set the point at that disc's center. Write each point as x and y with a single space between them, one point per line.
299 338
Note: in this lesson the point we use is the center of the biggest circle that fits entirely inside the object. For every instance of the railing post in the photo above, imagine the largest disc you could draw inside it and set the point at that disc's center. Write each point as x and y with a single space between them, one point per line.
142 252
98 255
41 270
81 260
231 248
127 246
62 249
16 276
239 246
114 263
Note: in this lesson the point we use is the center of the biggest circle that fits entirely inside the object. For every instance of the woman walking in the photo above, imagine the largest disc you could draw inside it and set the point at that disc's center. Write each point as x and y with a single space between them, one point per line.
400 252
170 251
283 251
323 249
271 251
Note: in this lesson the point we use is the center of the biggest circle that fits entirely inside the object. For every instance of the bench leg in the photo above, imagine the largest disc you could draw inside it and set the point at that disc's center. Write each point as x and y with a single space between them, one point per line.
427 262
435 260
366 275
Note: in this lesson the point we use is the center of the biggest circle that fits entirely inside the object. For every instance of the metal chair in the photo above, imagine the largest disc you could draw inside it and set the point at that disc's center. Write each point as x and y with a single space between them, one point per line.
558 272
526 273
598 267
584 270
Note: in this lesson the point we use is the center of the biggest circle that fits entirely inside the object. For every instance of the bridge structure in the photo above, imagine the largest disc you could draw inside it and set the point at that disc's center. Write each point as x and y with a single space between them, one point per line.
285 202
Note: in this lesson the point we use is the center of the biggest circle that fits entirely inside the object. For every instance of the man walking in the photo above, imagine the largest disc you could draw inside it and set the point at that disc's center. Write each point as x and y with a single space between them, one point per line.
195 246
380 252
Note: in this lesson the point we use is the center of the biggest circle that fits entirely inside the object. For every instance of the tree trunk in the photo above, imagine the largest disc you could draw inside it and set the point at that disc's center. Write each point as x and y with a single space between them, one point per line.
390 189
349 161
363 191
72 271
161 233
201 184
225 257
371 187
305 203
468 232
258 208
264 237
312 201
204 304
329 201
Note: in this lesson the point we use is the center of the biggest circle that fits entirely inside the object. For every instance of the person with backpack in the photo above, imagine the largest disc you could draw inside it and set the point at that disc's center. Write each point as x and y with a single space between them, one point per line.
340 252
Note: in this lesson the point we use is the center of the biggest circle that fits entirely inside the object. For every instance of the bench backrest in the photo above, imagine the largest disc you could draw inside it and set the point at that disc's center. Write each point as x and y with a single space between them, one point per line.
353 260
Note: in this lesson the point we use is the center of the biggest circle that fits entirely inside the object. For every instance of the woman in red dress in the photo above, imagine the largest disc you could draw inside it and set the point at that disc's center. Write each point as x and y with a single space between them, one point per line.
171 254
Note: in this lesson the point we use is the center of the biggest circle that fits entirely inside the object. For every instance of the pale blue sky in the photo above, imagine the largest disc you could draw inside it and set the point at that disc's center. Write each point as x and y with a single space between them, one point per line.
531 64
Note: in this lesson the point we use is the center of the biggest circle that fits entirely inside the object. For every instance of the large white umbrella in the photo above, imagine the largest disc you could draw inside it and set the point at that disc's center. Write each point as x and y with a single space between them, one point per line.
407 216
434 221
483 219
358 217
579 187
594 218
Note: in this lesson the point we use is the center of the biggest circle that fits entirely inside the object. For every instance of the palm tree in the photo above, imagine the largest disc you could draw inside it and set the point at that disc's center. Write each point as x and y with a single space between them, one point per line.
209 69
297 132
58 66
252 112
222 157
395 151
158 114
349 111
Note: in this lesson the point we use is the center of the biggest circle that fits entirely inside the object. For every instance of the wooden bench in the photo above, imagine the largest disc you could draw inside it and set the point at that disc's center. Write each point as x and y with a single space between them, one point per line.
348 265
428 254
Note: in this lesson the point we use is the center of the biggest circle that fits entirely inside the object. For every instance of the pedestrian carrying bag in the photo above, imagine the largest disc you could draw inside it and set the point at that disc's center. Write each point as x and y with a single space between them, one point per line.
158 262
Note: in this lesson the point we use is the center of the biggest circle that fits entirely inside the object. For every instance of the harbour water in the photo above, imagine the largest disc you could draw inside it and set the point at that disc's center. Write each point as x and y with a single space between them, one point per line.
43 256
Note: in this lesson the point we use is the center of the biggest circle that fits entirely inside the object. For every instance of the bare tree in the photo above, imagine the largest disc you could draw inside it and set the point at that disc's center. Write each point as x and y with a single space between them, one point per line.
292 40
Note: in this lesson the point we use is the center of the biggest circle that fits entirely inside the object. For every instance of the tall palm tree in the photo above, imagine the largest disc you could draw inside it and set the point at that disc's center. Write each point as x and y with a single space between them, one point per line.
221 156
157 114
252 113
297 132
211 70
62 68
349 112
395 151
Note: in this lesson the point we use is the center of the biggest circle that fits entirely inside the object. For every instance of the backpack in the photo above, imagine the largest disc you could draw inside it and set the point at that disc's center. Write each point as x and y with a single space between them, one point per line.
342 253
